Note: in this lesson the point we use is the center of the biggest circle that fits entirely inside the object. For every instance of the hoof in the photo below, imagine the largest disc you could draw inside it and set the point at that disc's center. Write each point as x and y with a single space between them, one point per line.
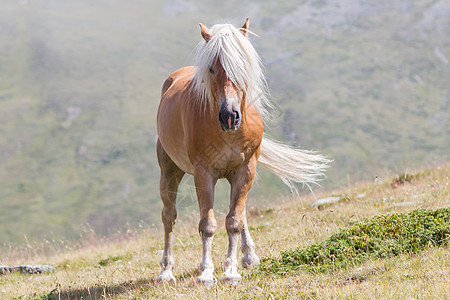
207 279
250 260
231 278
166 277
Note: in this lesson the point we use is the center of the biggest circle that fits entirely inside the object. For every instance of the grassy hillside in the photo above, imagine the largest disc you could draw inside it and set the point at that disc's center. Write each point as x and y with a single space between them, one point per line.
124 266
365 83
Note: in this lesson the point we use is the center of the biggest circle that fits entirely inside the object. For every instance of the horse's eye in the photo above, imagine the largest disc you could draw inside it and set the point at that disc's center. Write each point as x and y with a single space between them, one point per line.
211 70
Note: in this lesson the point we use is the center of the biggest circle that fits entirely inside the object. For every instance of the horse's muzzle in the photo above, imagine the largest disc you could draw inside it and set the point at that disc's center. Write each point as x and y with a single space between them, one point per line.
229 120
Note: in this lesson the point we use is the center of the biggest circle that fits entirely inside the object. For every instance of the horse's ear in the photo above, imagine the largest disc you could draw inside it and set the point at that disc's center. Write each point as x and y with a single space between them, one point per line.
244 28
206 34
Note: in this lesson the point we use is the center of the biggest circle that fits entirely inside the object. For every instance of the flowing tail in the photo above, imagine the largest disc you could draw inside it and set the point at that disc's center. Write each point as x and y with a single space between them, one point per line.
291 164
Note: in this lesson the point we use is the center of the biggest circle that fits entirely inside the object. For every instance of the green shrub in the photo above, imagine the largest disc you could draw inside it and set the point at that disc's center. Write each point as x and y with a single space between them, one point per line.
379 237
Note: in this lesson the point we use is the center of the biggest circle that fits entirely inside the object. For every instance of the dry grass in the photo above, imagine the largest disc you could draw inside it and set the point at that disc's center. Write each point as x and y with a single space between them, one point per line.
125 268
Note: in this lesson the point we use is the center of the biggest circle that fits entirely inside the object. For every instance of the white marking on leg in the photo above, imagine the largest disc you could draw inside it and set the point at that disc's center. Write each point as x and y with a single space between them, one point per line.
250 258
230 265
207 267
167 261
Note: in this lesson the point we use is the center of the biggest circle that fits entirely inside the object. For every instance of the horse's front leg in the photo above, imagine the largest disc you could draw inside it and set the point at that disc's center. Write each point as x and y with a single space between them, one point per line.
241 181
204 183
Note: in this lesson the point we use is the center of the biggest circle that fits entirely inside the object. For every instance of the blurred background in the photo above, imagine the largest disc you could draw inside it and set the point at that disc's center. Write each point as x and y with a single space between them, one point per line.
365 82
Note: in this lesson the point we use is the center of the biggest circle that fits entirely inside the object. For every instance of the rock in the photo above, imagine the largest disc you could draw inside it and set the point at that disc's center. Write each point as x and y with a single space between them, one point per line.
404 203
27 269
325 201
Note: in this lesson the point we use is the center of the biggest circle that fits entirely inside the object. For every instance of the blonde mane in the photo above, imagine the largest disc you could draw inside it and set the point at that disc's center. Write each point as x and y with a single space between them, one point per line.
240 62
243 67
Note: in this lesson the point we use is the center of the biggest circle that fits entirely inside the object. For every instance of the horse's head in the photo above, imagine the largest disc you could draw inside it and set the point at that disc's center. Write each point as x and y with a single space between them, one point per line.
228 93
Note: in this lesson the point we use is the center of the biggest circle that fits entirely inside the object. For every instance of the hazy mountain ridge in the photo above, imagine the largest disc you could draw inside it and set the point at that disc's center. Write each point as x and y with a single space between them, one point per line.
381 90
364 82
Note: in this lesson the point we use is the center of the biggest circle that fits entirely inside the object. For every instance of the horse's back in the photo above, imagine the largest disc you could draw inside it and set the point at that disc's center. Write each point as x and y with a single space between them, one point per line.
185 73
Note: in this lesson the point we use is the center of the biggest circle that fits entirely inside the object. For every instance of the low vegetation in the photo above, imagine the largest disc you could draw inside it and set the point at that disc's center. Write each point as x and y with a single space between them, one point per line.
377 241
375 238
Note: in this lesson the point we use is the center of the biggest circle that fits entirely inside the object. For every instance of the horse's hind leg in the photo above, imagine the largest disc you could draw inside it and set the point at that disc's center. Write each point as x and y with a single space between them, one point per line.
241 182
250 258
171 176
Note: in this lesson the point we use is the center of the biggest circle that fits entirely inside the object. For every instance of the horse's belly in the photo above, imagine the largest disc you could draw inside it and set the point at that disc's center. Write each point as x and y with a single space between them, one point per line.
176 149
181 159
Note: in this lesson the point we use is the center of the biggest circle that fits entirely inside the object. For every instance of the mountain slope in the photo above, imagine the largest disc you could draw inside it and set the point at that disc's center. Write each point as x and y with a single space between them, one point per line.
365 83
124 266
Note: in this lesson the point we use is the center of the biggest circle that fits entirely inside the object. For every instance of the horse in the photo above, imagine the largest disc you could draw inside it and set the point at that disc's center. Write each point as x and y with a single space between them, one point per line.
210 124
